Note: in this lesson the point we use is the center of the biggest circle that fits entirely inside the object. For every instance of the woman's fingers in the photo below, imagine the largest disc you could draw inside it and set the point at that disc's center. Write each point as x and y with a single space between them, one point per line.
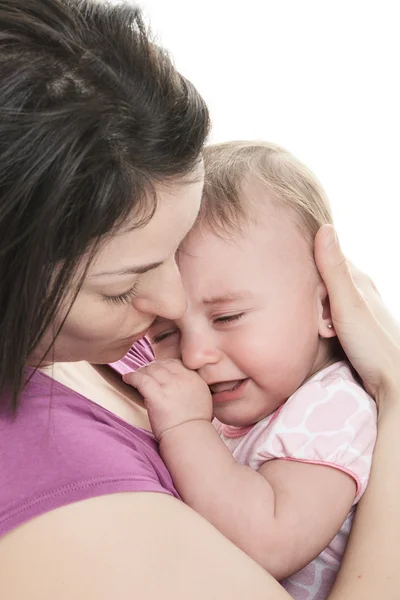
345 297
350 290
375 303
361 279
365 328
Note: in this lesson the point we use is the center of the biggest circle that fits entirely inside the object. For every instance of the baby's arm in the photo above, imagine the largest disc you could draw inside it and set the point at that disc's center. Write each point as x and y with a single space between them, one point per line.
282 515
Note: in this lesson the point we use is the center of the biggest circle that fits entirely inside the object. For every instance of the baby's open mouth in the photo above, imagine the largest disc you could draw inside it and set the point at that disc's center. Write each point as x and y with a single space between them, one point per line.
225 386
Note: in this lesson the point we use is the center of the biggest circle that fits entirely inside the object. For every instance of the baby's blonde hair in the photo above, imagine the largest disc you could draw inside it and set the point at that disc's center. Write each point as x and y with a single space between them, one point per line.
289 184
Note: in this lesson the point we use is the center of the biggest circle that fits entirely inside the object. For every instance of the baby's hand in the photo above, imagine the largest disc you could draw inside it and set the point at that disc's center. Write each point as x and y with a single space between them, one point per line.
173 394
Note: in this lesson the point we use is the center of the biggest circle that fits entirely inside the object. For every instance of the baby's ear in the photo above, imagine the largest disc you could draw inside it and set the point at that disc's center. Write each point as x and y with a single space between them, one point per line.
325 325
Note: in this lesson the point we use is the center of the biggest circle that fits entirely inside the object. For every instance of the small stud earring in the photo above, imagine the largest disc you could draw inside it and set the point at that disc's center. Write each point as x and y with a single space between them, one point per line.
330 326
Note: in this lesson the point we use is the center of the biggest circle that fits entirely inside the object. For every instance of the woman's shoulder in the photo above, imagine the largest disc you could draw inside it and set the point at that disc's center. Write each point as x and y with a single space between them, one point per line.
61 448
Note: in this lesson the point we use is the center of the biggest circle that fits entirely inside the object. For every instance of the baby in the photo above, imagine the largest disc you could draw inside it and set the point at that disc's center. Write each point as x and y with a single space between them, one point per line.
287 457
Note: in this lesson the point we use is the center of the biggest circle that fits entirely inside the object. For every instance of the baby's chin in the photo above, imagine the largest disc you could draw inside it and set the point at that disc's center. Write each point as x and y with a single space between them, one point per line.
247 411
227 416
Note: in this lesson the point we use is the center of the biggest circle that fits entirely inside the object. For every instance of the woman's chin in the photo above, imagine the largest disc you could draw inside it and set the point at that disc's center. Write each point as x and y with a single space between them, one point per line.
112 355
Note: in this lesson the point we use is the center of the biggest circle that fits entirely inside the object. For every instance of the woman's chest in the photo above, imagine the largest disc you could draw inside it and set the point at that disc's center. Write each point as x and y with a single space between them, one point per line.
102 385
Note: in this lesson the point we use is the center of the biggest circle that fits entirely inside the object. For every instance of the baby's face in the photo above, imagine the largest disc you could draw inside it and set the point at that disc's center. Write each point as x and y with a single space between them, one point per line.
256 309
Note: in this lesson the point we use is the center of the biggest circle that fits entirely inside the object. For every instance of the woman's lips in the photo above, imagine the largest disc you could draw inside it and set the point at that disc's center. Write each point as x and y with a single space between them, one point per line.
225 391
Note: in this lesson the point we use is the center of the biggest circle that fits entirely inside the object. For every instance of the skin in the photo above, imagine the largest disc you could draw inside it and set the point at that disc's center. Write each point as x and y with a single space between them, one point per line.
131 280
150 545
264 322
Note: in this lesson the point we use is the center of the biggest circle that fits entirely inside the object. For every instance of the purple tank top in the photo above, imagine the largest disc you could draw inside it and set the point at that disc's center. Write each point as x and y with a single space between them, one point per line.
62 448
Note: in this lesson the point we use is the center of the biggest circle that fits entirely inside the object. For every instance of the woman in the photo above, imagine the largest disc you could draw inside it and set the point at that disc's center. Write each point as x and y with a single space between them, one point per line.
101 178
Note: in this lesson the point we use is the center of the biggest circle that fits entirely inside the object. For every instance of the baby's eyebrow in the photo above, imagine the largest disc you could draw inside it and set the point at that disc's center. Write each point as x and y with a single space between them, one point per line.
227 298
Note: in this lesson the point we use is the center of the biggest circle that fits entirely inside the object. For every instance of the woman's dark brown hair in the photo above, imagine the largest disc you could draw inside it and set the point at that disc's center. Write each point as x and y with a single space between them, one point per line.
92 113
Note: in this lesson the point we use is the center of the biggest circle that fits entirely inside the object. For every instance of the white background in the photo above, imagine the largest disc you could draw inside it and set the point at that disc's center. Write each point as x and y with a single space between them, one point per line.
318 77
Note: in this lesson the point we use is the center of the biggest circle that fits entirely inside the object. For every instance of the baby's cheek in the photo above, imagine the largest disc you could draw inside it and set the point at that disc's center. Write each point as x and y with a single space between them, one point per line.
158 352
166 350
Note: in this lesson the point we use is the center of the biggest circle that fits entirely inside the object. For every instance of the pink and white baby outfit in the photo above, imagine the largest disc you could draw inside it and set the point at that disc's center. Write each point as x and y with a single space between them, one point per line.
330 420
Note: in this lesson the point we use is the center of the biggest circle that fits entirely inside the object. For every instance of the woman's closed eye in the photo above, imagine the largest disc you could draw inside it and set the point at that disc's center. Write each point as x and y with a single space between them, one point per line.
225 319
124 298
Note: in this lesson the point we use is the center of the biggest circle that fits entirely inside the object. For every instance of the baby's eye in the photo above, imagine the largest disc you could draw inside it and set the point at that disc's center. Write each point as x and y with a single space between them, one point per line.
228 318
163 335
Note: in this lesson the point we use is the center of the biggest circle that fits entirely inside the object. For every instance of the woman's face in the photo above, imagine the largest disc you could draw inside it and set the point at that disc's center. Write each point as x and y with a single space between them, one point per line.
133 279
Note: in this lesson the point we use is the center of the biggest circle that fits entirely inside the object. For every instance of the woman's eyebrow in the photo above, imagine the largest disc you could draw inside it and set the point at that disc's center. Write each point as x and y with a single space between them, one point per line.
129 270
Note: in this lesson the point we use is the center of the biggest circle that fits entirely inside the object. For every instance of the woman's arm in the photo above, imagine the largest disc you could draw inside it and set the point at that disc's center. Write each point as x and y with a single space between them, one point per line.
371 563
371 339
367 331
128 546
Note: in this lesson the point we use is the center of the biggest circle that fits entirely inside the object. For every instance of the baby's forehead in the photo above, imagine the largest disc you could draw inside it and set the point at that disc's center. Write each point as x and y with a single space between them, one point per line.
273 227
265 253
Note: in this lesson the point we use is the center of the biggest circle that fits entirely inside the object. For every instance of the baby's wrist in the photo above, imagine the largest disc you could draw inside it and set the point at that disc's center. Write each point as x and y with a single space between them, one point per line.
184 428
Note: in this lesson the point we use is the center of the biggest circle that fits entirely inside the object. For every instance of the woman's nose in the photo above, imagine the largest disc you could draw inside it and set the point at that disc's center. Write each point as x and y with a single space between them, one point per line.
165 296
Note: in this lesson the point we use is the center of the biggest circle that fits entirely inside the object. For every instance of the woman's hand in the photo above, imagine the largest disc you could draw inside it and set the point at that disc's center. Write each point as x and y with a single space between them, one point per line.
367 331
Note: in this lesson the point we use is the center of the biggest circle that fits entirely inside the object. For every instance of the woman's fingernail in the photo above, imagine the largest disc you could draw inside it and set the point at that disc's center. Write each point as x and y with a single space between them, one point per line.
330 238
